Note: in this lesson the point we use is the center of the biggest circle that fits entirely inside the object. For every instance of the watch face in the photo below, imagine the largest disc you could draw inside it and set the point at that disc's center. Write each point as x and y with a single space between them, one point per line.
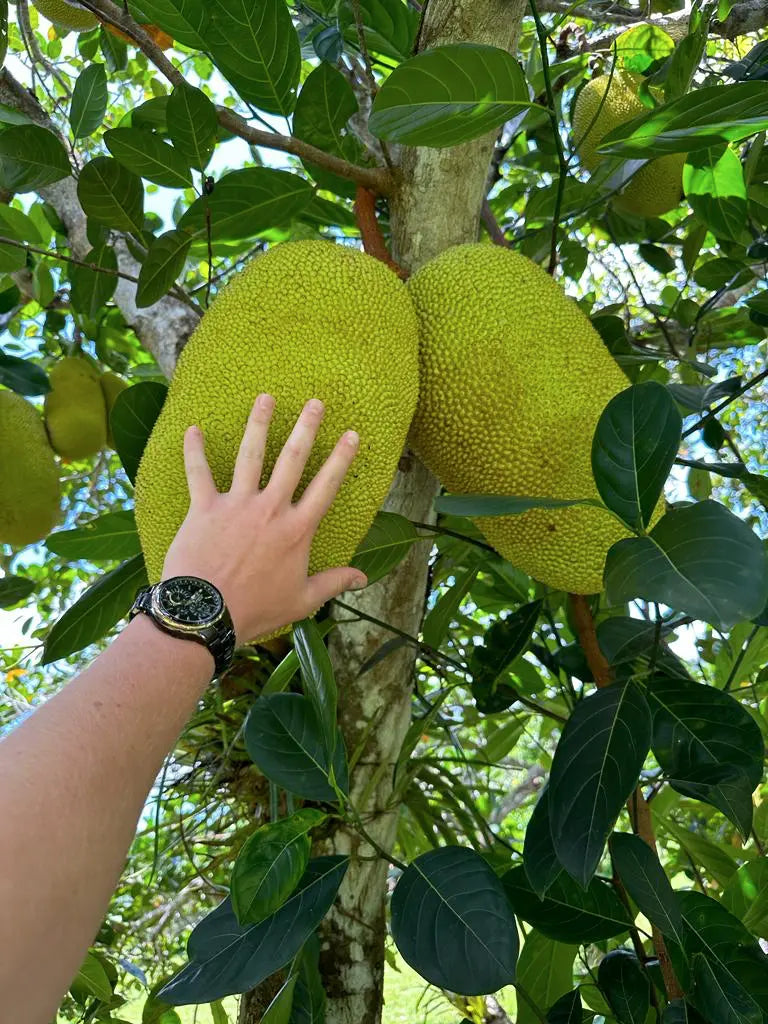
189 600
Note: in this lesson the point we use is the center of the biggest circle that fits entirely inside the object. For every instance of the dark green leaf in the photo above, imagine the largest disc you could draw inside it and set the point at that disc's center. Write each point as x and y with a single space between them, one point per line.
625 985
500 505
328 44
14 589
678 1012
389 27
746 896
114 50
449 94
132 418
319 682
165 260
289 666
111 194
539 858
595 768
438 619
325 104
490 663
309 995
700 559
567 1009
631 646
452 923
725 787
545 971
226 957
110 537
722 272
753 67
720 996
284 738
256 48
386 544
644 879
145 154
192 124
635 444
30 158
23 376
713 181
279 1010
92 980
17 225
91 289
93 615
89 101
185 20
270 865
568 913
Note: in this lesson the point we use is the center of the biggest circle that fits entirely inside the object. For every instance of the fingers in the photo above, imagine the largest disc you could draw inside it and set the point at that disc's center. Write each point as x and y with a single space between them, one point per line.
324 586
198 472
293 458
323 488
250 457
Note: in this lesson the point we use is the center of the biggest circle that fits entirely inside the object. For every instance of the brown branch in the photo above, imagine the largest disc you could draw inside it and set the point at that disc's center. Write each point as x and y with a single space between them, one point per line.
639 811
55 254
492 226
370 232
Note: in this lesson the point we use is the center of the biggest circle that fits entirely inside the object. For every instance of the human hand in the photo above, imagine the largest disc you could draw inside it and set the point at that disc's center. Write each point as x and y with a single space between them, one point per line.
253 543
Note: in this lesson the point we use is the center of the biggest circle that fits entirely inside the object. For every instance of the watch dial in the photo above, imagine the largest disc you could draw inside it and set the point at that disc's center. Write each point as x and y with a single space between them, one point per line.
189 600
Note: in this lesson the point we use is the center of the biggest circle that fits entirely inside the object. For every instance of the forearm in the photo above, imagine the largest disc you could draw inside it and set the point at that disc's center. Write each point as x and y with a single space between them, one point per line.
75 776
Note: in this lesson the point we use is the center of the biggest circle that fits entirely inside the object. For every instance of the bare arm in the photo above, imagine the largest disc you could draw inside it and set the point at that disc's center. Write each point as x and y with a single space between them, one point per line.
76 773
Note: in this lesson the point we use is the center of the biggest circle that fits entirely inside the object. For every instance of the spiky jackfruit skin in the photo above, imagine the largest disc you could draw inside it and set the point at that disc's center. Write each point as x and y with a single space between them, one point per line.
111 387
69 16
307 319
75 409
513 381
657 187
30 492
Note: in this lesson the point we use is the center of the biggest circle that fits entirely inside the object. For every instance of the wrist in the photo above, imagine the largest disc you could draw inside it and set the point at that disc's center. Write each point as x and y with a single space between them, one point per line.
186 655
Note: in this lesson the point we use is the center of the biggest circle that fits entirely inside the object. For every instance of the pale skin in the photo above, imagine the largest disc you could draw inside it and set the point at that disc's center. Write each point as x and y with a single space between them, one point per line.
76 773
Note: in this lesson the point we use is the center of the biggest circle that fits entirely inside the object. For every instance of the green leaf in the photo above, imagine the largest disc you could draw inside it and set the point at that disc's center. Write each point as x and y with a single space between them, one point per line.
703 118
568 913
501 505
256 48
23 376
165 260
145 154
545 971
567 1010
713 181
630 645
111 194
309 996
14 589
715 858
657 257
279 1010
92 979
452 923
192 124
644 879
114 50
325 104
746 896
625 985
270 865
635 444
638 48
679 1012
721 996
700 559
102 605
389 26
218 1013
595 769
30 158
503 738
284 739
89 101
438 619
109 537
491 662
226 958
15 224
289 666
91 289
386 544
448 95
185 20
246 202
539 858
319 682
132 419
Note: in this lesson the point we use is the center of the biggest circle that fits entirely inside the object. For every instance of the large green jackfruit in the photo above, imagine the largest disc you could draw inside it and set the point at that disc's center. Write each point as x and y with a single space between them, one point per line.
513 381
657 187
29 478
111 386
304 320
75 409
69 16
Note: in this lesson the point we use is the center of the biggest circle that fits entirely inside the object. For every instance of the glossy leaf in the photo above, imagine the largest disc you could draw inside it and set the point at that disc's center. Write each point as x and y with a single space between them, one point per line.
386 544
721 996
309 995
545 971
192 124
165 260
630 645
490 662
14 589
625 986
325 104
279 1010
452 923
645 880
567 1010
226 957
389 27
438 619
92 980
184 20
92 287
317 677
132 419
110 537
89 101
145 154
289 666
111 194
595 768
448 95
539 858
699 559
635 444
713 181
30 158
91 617
23 376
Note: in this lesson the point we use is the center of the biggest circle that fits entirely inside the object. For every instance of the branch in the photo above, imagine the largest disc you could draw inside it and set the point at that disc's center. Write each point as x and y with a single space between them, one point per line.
370 232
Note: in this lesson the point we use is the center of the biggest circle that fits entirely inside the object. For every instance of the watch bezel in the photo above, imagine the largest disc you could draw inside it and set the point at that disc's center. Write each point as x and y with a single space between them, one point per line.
171 620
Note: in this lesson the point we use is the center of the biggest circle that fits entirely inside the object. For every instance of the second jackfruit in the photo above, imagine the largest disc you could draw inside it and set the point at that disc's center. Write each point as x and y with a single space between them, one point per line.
68 16
75 409
29 478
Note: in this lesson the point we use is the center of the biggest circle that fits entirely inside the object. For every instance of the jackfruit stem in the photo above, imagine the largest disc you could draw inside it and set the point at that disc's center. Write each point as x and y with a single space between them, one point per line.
370 232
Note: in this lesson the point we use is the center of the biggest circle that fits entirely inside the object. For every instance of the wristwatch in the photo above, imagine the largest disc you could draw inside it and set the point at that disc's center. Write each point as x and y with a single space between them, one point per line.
193 609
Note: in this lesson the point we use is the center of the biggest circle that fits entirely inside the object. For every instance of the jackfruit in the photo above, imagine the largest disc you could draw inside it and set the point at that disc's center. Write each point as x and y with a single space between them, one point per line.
513 381
306 319
111 386
657 186
69 16
30 492
75 409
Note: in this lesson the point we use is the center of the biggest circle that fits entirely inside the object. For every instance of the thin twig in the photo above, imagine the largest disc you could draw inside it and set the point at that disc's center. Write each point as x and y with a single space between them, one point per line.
56 254
726 402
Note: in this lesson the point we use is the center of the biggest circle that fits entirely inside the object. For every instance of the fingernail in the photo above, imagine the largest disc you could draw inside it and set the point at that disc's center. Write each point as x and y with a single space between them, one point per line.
314 405
265 401
352 438
359 583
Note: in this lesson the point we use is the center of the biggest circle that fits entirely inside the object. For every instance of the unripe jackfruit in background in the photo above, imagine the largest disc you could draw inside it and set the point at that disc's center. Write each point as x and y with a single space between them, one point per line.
304 320
75 409
111 387
29 478
69 16
657 186
513 381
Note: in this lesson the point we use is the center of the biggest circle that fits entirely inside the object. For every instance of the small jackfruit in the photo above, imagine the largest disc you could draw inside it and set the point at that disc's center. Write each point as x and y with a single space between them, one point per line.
30 492
111 386
306 319
75 409
69 16
513 381
602 105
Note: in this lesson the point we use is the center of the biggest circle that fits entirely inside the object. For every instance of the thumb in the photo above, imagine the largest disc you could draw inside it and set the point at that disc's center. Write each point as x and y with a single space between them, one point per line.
324 586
